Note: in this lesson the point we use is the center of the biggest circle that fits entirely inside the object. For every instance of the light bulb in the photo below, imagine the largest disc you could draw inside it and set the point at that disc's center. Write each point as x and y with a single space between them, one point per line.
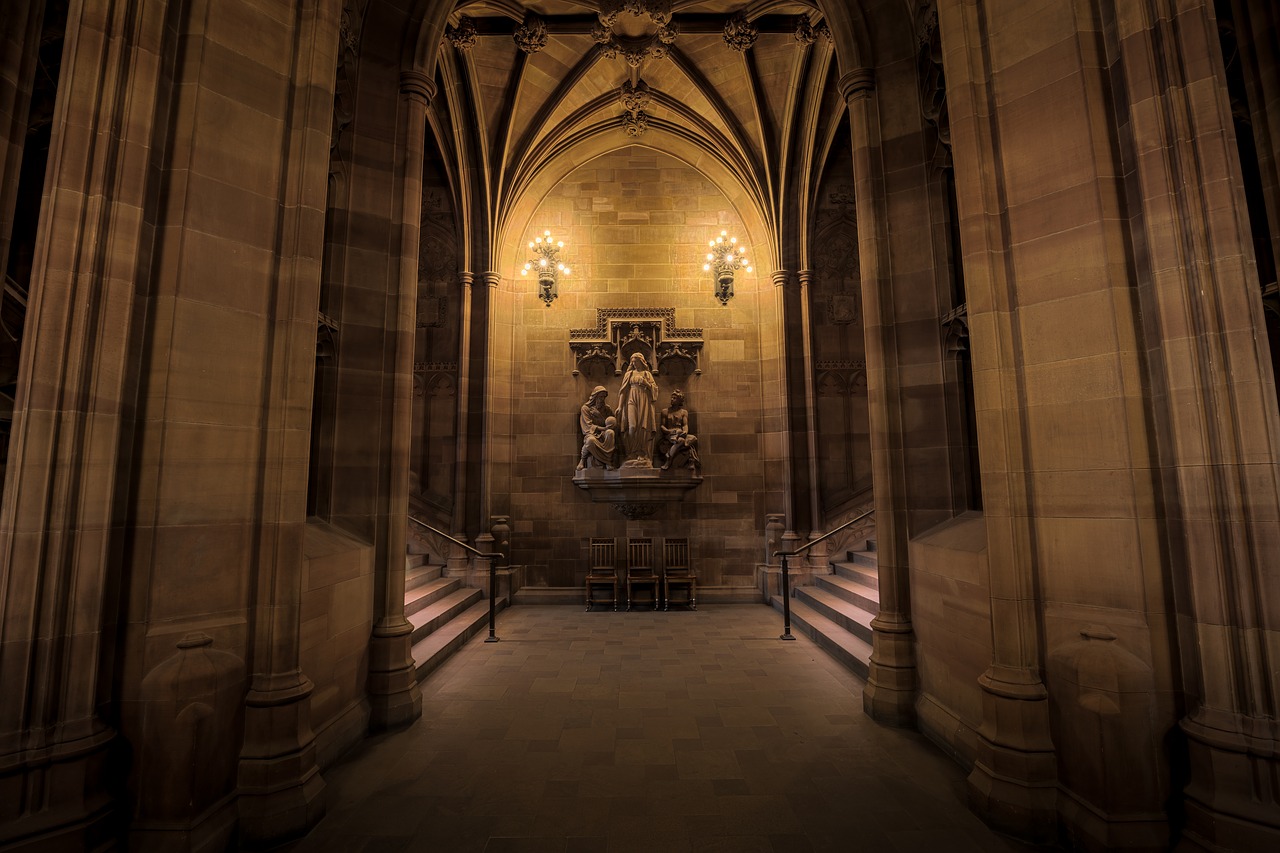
542 263
539 239
546 233
560 267
706 267
566 270
733 239
748 269
560 244
530 244
724 233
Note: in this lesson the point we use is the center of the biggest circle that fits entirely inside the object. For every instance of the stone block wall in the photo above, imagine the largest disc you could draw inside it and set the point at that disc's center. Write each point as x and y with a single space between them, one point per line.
635 225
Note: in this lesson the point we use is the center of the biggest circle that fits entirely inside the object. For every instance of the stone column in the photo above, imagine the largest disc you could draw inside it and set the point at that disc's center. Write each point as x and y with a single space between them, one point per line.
1014 778
891 682
816 521
465 446
1219 428
785 296
19 48
281 790
62 520
393 685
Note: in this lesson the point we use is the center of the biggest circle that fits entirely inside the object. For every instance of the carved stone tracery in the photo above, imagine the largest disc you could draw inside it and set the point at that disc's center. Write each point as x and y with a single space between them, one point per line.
621 332
739 33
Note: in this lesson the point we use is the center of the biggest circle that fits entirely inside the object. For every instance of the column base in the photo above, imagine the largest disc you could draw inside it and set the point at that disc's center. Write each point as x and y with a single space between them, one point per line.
394 698
890 694
1013 786
281 790
1232 800
68 786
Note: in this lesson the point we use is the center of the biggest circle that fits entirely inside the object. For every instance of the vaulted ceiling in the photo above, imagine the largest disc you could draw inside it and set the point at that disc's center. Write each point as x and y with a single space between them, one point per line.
533 88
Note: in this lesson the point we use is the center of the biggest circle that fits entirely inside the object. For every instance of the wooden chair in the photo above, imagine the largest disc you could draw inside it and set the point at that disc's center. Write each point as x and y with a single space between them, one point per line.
603 571
677 572
640 570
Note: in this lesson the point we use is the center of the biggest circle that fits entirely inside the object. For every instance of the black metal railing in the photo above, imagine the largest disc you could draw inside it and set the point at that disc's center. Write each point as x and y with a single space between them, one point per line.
786 578
493 582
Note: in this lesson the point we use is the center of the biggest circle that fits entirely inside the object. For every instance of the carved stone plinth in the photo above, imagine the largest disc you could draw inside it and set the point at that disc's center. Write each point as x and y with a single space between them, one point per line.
636 492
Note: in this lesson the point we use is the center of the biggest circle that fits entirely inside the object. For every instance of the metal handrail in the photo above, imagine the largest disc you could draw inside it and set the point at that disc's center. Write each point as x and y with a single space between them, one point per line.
493 574
797 552
786 578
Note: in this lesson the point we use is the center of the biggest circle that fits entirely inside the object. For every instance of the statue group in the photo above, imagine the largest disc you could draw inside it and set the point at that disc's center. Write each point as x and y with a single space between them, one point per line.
636 436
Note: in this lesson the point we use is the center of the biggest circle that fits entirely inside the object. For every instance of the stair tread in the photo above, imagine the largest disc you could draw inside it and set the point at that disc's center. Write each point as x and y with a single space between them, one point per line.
855 648
429 588
437 608
849 587
454 632
868 575
847 609
416 577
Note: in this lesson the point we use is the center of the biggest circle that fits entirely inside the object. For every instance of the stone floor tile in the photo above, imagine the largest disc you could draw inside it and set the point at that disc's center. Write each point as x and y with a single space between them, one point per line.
585 732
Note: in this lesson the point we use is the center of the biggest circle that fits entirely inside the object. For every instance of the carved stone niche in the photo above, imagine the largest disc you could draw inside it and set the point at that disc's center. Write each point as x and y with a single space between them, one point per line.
621 332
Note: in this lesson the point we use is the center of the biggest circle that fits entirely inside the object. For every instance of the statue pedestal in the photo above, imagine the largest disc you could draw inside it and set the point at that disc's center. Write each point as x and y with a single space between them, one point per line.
636 492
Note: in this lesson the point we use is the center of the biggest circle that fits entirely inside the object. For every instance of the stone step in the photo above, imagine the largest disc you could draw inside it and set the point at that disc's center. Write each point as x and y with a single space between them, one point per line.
428 593
862 557
854 592
436 614
414 578
866 576
415 561
436 647
849 650
845 614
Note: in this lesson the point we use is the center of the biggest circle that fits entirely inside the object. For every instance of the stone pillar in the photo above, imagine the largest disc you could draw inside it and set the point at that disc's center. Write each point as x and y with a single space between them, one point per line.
393 685
281 790
793 441
816 521
491 354
19 47
62 522
1218 423
465 447
891 682
1013 784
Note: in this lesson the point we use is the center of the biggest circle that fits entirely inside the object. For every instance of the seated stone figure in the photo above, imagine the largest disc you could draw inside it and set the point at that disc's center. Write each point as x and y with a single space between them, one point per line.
677 441
599 446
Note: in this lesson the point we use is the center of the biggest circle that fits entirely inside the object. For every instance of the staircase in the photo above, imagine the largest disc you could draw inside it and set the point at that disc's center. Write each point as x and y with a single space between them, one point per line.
836 611
443 612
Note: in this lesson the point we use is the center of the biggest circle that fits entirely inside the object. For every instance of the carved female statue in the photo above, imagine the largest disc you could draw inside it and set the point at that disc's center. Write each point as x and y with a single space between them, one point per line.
598 447
637 417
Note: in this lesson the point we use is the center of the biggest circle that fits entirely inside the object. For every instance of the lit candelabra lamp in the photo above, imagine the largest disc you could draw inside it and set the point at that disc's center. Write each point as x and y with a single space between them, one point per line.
546 265
725 258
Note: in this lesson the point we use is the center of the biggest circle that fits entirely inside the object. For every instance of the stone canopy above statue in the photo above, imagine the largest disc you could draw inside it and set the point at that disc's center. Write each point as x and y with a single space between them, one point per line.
621 333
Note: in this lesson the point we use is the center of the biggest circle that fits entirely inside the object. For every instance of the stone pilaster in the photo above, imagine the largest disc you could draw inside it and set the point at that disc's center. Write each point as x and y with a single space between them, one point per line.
891 682
393 685
62 521
1209 367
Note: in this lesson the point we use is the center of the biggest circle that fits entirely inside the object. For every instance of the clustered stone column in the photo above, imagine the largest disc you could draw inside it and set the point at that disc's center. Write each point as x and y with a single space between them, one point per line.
890 691
393 684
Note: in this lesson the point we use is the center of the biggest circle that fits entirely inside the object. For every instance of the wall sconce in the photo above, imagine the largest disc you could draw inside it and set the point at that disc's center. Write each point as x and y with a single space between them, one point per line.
547 266
726 257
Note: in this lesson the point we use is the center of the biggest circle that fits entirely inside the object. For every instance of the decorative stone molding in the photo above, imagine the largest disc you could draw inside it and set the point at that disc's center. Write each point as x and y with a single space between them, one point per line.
531 36
435 367
463 36
807 33
955 324
417 84
739 33
635 98
859 82
619 332
634 50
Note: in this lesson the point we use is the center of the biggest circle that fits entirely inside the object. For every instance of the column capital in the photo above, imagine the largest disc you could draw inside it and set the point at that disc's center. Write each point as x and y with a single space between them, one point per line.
491 278
781 278
856 83
466 278
418 86
806 277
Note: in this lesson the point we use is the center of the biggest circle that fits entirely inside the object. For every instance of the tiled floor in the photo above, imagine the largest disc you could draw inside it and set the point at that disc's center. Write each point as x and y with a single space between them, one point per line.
646 732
